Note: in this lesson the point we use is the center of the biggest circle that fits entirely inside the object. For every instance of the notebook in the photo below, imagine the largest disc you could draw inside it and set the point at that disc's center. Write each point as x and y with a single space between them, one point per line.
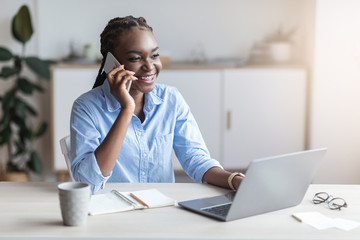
116 201
270 184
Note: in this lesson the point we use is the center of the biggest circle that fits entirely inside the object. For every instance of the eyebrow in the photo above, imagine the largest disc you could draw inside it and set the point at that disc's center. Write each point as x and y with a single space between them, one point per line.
139 52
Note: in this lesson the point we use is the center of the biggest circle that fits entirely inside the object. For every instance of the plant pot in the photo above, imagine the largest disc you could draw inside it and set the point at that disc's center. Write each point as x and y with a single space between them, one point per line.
280 52
15 177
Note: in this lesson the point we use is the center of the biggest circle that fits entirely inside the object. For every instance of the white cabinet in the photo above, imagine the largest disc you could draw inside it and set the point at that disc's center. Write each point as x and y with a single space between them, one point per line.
202 91
67 84
264 111
242 113
245 113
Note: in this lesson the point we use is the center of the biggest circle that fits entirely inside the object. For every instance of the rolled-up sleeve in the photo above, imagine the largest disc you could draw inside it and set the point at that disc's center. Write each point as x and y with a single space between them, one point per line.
84 138
189 145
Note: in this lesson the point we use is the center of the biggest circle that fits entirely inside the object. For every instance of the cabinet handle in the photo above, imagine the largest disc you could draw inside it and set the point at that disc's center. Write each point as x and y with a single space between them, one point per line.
228 120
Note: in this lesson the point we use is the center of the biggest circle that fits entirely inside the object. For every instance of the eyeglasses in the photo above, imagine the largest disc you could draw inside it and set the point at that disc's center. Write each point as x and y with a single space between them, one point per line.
334 203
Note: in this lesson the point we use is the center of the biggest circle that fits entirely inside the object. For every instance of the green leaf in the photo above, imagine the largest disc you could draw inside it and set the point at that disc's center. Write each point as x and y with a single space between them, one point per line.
40 67
22 29
8 100
5 54
7 72
5 118
20 108
50 62
19 121
25 133
41 130
5 135
31 110
20 148
34 164
25 85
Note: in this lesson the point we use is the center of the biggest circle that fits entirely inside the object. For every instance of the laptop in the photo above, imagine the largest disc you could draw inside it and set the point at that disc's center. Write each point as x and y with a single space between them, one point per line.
271 184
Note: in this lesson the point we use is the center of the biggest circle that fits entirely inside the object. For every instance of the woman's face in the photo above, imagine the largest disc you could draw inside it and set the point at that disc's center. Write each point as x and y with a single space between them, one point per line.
138 51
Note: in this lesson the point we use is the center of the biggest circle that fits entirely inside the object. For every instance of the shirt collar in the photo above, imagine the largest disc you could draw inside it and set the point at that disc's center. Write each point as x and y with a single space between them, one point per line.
151 99
112 104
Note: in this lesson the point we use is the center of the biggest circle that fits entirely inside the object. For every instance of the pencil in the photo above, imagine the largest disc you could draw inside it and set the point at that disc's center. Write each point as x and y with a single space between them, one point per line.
139 200
123 197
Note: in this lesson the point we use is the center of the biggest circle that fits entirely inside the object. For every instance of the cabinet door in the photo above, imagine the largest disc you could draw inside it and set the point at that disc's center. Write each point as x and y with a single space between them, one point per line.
264 114
202 91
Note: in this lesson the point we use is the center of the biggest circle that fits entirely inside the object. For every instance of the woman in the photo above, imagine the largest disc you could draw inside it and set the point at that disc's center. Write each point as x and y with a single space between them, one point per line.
128 136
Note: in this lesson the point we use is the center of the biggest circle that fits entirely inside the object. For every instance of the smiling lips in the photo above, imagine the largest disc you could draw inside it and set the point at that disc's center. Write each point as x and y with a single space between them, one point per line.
147 79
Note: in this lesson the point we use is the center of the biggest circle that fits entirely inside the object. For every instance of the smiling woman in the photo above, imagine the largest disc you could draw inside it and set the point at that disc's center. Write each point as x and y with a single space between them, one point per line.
121 135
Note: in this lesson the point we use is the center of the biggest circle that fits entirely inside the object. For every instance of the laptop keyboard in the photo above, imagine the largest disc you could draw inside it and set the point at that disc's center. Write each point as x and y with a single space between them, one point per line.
221 210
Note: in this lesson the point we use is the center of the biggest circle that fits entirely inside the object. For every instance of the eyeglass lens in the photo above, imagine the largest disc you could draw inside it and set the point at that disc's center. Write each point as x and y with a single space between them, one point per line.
333 203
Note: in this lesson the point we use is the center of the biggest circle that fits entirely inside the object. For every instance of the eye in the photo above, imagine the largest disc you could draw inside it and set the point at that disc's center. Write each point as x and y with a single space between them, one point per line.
134 59
155 56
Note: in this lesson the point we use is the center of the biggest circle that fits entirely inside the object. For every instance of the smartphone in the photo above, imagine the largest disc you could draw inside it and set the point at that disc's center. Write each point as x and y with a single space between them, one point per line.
109 65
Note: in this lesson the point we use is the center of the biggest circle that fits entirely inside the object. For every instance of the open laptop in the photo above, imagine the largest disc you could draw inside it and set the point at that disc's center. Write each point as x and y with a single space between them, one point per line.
270 184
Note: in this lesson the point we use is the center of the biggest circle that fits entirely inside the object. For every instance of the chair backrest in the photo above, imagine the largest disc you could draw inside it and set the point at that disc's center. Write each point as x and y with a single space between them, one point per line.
66 150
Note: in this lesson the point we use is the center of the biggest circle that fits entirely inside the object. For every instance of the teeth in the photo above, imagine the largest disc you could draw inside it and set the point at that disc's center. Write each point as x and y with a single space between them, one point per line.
147 78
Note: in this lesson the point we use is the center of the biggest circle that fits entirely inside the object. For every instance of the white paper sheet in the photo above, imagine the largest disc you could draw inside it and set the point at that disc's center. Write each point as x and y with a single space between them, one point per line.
321 222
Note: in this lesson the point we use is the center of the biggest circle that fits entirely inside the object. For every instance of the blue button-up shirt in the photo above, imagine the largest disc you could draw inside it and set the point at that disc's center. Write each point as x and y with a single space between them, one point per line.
145 155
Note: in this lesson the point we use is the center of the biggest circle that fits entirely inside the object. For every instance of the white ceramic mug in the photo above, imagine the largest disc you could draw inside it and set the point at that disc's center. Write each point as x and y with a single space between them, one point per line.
74 202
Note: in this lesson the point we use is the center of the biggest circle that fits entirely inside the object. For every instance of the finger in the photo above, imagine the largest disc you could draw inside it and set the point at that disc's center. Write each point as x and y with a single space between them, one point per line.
130 72
125 73
112 74
121 78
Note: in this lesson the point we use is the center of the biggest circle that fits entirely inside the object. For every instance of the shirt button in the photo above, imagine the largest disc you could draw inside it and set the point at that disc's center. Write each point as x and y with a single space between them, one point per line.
144 155
139 134
143 173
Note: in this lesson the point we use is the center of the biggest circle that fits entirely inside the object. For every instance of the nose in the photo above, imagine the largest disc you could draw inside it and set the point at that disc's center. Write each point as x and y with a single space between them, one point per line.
148 64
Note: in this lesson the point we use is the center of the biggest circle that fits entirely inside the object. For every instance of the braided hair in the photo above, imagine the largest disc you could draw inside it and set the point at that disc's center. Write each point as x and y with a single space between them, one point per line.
110 36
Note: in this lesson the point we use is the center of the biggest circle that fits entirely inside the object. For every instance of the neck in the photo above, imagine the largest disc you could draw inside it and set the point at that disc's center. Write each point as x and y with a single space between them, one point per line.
139 98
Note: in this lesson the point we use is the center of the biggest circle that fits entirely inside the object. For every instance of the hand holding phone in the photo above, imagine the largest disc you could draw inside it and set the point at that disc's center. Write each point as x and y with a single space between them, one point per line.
110 61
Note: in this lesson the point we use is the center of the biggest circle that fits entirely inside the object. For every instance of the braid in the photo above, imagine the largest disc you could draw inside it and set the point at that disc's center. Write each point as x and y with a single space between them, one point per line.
110 36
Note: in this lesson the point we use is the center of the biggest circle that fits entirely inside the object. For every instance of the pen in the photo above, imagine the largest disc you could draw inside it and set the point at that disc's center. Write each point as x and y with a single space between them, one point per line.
122 196
139 200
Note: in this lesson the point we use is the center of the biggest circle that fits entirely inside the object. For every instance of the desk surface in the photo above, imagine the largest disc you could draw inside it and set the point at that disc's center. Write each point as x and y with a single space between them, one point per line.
31 210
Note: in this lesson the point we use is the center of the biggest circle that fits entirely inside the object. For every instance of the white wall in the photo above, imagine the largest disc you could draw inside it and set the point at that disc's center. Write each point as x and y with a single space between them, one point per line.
335 118
225 28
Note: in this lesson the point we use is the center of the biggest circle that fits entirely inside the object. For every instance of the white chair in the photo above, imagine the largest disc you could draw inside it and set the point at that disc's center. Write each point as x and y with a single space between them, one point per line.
66 150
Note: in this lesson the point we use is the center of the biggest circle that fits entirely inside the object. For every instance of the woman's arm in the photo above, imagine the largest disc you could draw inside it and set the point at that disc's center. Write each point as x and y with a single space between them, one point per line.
107 152
219 177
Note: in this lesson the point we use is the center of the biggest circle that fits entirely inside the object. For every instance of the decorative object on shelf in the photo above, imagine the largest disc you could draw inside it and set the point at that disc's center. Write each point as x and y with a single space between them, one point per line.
258 53
198 54
92 52
17 130
88 55
280 45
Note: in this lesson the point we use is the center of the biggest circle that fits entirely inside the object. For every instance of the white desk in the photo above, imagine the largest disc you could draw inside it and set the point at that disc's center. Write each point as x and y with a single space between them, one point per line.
31 211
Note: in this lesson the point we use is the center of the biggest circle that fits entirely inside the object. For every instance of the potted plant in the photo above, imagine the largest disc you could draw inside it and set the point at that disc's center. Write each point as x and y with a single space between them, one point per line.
280 45
17 130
